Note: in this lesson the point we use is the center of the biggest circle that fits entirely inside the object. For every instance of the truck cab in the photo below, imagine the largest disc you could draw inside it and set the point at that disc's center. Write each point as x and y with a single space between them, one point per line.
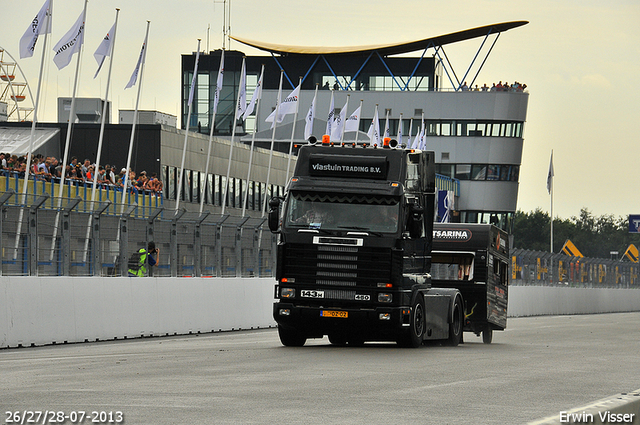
355 231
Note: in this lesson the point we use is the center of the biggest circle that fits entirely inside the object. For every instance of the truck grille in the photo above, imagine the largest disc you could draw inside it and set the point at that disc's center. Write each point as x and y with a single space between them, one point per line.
330 265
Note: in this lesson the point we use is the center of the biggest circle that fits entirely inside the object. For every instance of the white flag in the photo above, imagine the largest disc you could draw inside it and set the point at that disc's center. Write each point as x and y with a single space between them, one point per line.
194 80
399 136
257 94
143 54
308 126
374 129
216 96
104 49
550 175
331 116
423 140
39 25
242 93
70 43
353 122
336 131
416 140
288 106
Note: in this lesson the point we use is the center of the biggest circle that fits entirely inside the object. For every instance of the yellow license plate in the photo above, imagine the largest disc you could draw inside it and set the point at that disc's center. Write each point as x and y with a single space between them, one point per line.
333 313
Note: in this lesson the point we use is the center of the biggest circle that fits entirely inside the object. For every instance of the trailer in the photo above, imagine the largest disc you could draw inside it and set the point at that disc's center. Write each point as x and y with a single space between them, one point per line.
474 258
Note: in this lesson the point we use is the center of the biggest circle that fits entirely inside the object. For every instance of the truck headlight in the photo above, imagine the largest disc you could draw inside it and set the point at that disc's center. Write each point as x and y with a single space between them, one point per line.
288 293
385 298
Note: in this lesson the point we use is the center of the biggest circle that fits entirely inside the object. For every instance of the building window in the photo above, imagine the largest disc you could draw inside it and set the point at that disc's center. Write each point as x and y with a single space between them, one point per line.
463 171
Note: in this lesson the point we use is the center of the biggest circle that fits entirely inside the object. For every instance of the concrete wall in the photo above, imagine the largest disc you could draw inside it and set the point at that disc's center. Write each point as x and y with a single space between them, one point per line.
47 310
38 311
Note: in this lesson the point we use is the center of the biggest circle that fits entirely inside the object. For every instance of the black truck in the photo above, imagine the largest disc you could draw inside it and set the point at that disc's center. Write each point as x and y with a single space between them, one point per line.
355 232
474 258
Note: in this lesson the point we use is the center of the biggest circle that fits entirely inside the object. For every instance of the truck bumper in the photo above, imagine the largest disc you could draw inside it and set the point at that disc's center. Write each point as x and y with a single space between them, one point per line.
378 323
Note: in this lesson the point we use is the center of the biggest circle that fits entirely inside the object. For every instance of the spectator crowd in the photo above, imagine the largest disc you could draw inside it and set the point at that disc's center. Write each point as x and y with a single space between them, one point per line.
50 169
516 87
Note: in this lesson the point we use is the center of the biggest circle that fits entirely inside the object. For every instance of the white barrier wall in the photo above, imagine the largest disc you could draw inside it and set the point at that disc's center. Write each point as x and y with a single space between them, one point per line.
38 311
47 310
554 300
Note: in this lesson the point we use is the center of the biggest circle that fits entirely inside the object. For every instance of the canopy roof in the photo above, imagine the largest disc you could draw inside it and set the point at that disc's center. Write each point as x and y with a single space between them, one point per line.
385 49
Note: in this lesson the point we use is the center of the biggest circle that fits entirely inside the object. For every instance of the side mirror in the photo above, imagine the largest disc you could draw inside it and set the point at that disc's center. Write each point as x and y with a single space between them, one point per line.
274 214
414 223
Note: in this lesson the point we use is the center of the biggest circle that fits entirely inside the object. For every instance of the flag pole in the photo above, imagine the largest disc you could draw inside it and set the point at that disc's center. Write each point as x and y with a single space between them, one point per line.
239 107
212 127
273 137
293 130
33 131
135 117
399 136
194 82
94 192
358 125
551 173
72 112
253 139
344 123
311 115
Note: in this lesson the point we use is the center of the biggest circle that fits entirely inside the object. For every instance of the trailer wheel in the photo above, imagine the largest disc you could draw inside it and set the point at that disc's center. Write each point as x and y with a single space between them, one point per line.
457 322
487 335
416 330
290 337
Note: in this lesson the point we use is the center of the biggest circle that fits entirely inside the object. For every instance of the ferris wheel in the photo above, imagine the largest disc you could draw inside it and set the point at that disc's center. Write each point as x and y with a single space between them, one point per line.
14 90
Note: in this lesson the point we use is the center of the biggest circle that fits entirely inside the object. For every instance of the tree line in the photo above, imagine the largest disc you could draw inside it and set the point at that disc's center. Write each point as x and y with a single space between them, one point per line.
594 236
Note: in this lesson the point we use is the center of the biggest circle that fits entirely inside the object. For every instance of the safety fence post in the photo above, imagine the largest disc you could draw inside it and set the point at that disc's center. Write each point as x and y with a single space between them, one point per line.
97 262
66 235
197 244
123 248
32 241
218 228
149 235
257 234
3 199
174 241
238 246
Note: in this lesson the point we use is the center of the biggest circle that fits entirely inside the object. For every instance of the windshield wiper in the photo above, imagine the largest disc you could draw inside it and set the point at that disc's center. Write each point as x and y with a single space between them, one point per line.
364 229
306 228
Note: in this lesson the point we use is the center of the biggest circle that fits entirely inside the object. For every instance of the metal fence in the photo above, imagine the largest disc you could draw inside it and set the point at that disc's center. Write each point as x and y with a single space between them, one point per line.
47 236
544 268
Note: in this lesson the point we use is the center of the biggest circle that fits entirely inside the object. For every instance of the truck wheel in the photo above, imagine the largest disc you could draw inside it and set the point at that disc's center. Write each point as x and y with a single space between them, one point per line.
416 330
290 337
487 335
457 321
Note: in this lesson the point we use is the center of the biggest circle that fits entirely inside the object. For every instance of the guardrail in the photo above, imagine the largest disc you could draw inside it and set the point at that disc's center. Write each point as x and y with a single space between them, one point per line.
544 268
43 235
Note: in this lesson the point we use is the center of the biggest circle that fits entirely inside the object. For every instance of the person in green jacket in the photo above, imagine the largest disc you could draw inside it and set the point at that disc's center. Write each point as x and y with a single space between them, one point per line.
141 258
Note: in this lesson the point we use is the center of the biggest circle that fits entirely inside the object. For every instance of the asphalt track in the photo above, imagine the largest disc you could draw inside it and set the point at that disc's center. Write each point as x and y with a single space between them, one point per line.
536 368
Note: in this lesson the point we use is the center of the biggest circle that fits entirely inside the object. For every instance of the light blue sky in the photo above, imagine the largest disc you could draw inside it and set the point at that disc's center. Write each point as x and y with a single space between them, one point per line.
579 59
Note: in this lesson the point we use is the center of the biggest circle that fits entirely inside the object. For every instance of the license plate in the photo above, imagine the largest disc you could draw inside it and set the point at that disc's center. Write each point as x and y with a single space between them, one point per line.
333 313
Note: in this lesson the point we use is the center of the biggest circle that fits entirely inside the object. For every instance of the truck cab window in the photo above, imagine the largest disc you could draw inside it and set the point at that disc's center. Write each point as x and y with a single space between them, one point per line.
452 266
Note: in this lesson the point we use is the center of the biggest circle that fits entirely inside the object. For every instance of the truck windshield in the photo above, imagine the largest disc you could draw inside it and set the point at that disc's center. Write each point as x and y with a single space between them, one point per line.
340 212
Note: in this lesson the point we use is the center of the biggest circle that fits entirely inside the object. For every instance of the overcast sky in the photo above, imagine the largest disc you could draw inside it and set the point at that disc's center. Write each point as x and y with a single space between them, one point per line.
579 58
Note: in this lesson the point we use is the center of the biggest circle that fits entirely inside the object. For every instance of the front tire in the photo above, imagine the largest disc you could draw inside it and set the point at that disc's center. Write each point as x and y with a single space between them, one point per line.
290 337
417 328
456 325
